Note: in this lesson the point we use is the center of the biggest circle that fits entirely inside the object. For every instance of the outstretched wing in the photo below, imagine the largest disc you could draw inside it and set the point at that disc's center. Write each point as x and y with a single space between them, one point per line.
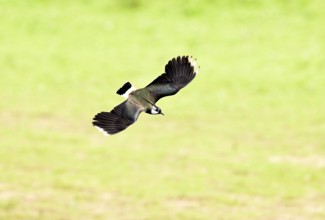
121 117
179 72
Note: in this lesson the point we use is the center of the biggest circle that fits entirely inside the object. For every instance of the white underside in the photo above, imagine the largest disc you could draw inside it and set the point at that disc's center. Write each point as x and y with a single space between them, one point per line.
127 93
102 130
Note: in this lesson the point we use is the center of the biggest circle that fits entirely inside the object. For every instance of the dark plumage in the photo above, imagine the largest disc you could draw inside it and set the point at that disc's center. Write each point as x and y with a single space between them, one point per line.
124 88
179 72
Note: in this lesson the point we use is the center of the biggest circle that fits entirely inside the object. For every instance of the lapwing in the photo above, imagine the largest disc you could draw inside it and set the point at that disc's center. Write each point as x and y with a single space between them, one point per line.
179 72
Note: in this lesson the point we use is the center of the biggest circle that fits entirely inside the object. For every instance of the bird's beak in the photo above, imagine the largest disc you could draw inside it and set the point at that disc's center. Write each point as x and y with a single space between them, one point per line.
162 113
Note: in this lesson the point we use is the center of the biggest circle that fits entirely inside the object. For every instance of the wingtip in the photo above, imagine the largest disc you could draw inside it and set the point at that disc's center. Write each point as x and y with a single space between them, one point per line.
102 130
193 63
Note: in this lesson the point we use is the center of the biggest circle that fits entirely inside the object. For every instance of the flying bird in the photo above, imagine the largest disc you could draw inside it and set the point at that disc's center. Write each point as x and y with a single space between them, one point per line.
179 72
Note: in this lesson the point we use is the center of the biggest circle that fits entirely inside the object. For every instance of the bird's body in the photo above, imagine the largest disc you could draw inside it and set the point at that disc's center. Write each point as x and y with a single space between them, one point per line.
178 73
142 98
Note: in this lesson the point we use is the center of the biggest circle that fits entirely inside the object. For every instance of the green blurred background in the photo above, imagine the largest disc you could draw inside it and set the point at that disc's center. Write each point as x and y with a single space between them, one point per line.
245 140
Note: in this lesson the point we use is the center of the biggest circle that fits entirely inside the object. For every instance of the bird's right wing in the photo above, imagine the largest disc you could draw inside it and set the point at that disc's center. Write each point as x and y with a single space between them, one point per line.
179 72
121 117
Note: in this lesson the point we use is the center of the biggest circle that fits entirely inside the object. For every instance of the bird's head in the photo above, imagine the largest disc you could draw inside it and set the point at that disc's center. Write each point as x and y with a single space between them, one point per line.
156 110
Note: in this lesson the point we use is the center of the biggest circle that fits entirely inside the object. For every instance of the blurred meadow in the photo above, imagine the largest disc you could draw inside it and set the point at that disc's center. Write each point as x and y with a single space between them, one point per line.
245 140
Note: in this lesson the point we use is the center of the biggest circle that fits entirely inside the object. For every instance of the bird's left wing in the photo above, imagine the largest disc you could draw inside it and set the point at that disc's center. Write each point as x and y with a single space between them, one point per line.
121 117
179 72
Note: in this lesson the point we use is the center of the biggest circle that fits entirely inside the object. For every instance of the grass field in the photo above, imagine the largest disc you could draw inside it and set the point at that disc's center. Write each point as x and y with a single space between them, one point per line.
245 140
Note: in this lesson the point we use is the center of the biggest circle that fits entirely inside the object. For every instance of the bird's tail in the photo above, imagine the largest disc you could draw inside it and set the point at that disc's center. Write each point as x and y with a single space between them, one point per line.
125 90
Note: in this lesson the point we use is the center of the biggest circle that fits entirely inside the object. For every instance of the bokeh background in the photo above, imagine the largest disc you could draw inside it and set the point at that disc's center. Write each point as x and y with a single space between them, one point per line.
245 140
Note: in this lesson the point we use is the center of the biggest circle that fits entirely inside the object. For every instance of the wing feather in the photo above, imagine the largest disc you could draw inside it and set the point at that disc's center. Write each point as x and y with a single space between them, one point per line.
179 72
121 117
